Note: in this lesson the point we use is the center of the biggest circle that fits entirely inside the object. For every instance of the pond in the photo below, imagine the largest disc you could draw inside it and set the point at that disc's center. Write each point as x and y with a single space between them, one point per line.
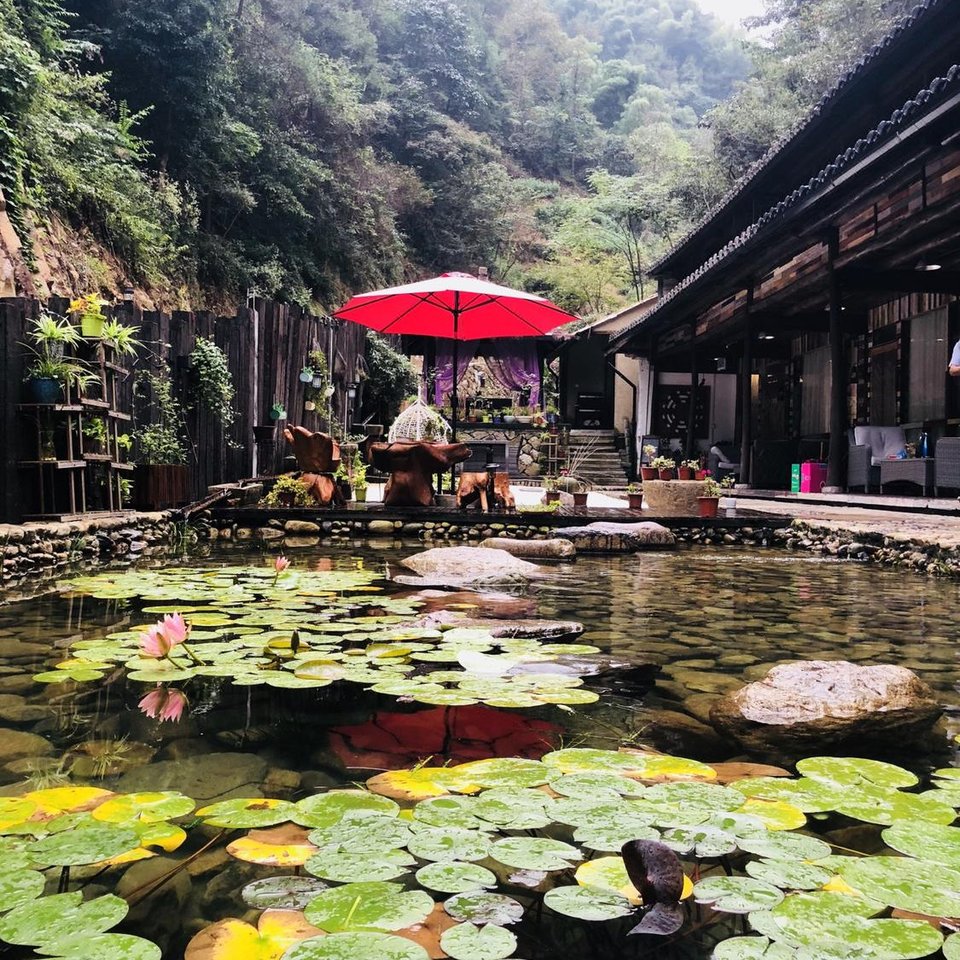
297 682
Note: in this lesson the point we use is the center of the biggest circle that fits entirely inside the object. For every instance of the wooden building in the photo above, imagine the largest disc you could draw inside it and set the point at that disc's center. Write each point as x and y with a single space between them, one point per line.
827 280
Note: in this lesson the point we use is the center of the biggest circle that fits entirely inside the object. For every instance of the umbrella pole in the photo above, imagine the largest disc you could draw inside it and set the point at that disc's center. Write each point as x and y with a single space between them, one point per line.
454 397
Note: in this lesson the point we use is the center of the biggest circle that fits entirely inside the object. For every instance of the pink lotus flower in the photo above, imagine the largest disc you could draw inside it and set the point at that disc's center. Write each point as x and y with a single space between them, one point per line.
155 643
163 636
176 628
164 704
280 564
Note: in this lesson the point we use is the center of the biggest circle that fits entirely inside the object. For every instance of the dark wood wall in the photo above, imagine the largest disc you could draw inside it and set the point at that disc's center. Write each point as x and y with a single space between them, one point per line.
266 348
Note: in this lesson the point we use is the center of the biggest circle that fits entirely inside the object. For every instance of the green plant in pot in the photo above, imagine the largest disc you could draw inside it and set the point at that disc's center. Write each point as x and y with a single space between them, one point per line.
89 310
49 372
709 501
95 430
120 338
288 491
666 467
634 496
51 334
161 476
359 478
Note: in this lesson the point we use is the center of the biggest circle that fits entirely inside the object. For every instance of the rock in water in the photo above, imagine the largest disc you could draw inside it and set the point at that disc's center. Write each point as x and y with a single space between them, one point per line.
557 549
469 565
618 537
812 704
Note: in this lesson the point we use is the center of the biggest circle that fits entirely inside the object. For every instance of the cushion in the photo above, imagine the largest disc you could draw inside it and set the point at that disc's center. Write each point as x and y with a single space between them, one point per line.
884 442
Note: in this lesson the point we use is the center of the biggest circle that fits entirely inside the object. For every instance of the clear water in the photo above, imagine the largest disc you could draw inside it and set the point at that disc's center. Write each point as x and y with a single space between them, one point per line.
710 619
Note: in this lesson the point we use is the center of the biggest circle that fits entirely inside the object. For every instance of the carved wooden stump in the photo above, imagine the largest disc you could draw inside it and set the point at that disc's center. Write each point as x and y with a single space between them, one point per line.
318 456
411 465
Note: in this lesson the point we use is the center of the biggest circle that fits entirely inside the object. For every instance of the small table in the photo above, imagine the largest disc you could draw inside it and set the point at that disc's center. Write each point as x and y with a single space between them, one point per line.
917 470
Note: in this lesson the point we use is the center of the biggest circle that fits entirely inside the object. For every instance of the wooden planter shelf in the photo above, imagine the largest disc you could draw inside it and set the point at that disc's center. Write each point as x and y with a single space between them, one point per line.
65 482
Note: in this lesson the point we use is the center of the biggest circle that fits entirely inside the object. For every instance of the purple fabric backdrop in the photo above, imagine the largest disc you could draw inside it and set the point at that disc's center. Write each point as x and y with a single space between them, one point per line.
514 363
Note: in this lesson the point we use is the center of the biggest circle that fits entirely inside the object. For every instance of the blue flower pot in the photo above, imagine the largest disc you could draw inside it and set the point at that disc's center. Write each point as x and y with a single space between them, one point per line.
43 390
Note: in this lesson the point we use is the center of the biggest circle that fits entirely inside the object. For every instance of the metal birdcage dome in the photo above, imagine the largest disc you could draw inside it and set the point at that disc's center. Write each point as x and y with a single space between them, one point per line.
419 422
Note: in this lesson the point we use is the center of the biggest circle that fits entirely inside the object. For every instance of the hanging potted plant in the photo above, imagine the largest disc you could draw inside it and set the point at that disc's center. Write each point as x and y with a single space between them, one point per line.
634 496
709 500
665 467
306 375
687 469
278 412
649 472
89 310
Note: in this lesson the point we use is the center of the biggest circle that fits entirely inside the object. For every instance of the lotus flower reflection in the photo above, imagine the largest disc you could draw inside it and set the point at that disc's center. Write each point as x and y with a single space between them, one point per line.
164 703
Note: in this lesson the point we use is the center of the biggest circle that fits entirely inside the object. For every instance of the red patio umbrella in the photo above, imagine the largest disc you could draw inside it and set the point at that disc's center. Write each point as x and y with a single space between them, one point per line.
455 306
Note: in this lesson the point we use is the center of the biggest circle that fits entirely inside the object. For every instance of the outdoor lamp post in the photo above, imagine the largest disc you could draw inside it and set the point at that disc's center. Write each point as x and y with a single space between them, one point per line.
351 403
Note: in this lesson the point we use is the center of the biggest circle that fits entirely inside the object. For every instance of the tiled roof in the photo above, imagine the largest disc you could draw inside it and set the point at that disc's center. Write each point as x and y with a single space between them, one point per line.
902 117
744 183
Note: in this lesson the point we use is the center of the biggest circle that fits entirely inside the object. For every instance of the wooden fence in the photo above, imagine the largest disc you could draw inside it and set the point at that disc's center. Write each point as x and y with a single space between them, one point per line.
266 348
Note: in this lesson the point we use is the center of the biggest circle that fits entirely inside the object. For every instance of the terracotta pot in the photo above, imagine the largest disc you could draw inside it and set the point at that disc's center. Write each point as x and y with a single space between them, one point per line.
553 496
685 473
701 475
635 500
707 506
667 474
287 498
648 473
579 499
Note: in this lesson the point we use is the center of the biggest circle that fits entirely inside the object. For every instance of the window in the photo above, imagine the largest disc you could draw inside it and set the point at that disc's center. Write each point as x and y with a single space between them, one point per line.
815 392
929 355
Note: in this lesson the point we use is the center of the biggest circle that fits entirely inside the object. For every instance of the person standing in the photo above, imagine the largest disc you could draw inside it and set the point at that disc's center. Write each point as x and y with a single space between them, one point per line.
954 368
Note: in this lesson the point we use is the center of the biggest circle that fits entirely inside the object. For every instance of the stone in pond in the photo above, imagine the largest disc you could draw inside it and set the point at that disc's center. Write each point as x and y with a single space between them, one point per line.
554 549
15 744
537 629
207 779
606 537
812 704
469 565
17 709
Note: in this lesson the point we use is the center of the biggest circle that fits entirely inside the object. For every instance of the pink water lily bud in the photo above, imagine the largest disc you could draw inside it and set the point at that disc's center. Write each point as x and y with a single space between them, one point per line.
176 628
155 642
281 564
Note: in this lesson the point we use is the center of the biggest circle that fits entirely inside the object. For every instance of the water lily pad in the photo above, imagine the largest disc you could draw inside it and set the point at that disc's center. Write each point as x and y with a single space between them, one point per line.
328 809
14 810
514 809
737 894
467 941
147 807
243 813
422 783
595 786
775 814
785 846
363 834
448 812
585 903
927 841
506 772
885 805
810 796
60 917
588 760
789 875
356 946
608 874
451 876
478 906
704 841
232 939
445 843
611 837
89 843
282 892
344 866
18 884
535 853
103 946
283 846
951 947
907 884
852 771
373 906
753 948
55 800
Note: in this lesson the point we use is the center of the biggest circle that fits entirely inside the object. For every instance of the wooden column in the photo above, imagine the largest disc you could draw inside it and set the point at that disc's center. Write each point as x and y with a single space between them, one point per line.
694 378
746 392
838 392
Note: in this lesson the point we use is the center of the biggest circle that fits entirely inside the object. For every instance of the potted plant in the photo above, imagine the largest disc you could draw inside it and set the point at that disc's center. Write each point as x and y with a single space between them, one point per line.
161 476
278 412
687 469
89 310
51 334
552 493
95 430
119 337
701 474
287 491
46 377
306 374
359 478
665 467
709 500
649 472
634 496
342 480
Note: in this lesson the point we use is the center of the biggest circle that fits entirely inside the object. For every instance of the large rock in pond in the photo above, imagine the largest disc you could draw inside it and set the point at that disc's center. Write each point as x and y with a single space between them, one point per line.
555 549
460 565
673 498
207 778
606 537
813 704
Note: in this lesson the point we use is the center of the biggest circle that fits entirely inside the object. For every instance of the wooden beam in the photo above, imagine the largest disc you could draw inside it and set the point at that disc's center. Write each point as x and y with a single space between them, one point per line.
838 384
746 391
901 281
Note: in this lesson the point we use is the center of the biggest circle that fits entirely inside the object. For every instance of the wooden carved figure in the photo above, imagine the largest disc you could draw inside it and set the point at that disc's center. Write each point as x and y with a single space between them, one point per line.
318 456
411 465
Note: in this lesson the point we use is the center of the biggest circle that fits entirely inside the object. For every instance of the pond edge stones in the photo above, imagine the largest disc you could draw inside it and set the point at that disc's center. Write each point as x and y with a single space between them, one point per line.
810 704
605 537
556 548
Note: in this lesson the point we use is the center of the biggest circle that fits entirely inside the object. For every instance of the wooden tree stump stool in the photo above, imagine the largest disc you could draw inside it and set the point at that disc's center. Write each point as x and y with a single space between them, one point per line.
411 465
318 456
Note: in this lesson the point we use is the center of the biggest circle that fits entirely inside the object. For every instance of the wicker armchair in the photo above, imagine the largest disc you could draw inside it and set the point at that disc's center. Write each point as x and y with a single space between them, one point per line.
860 470
947 464
868 447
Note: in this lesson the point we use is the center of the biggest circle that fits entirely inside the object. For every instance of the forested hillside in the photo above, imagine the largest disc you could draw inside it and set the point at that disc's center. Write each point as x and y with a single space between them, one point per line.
312 147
